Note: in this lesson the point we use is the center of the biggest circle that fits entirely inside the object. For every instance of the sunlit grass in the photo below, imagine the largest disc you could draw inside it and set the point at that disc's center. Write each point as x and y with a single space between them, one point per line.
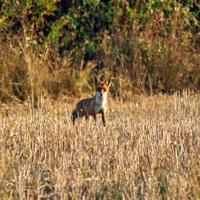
149 150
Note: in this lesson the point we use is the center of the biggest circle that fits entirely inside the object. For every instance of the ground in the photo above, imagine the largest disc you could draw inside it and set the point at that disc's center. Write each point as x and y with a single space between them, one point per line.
149 150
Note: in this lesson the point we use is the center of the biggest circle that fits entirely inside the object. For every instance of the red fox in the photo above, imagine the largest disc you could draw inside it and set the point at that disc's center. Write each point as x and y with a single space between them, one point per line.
95 105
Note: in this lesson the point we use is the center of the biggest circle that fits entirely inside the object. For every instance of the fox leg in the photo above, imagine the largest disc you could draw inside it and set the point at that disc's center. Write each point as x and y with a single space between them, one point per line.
77 114
95 117
74 116
86 117
104 118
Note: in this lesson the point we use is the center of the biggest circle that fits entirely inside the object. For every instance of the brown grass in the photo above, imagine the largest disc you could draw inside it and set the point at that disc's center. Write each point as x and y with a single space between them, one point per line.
149 150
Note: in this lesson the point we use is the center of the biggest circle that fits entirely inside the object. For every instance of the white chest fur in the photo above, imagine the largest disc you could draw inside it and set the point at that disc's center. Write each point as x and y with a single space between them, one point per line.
100 102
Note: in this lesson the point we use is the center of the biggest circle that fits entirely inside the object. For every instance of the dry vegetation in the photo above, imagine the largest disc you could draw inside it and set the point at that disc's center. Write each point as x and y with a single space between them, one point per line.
150 149
57 47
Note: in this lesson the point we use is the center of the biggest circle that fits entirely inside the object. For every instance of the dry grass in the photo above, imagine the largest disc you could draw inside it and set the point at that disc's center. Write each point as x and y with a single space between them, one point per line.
150 149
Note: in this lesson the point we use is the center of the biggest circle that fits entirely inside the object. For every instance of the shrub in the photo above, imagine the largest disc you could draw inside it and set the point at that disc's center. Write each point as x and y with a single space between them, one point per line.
153 46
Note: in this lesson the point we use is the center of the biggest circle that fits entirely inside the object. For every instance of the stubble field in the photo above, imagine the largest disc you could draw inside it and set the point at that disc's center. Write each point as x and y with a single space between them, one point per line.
150 149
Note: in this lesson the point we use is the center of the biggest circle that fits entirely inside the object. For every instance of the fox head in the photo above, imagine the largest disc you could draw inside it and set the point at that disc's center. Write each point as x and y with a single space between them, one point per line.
102 87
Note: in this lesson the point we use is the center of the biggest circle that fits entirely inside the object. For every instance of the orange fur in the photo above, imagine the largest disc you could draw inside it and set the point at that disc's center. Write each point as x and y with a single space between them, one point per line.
95 105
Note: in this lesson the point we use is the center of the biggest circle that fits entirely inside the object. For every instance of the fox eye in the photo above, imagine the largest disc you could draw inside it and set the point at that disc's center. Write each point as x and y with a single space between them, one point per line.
104 90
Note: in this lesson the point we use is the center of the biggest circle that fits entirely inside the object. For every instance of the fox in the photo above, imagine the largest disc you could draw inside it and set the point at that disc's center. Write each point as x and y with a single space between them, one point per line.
95 105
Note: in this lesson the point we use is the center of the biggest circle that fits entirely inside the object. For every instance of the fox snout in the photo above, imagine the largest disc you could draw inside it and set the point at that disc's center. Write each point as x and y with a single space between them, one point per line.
100 94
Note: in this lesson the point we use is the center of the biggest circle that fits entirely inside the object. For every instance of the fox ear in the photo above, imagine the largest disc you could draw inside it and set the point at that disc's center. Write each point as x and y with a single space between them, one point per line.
108 81
96 81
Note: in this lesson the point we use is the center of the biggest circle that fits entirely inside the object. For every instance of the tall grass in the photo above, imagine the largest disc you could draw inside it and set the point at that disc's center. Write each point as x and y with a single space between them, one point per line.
149 150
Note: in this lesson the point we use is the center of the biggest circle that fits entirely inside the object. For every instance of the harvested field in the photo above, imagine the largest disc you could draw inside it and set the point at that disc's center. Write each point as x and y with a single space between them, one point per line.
150 149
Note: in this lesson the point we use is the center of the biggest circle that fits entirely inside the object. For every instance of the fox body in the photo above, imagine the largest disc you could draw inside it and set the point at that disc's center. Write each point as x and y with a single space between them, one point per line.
95 105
